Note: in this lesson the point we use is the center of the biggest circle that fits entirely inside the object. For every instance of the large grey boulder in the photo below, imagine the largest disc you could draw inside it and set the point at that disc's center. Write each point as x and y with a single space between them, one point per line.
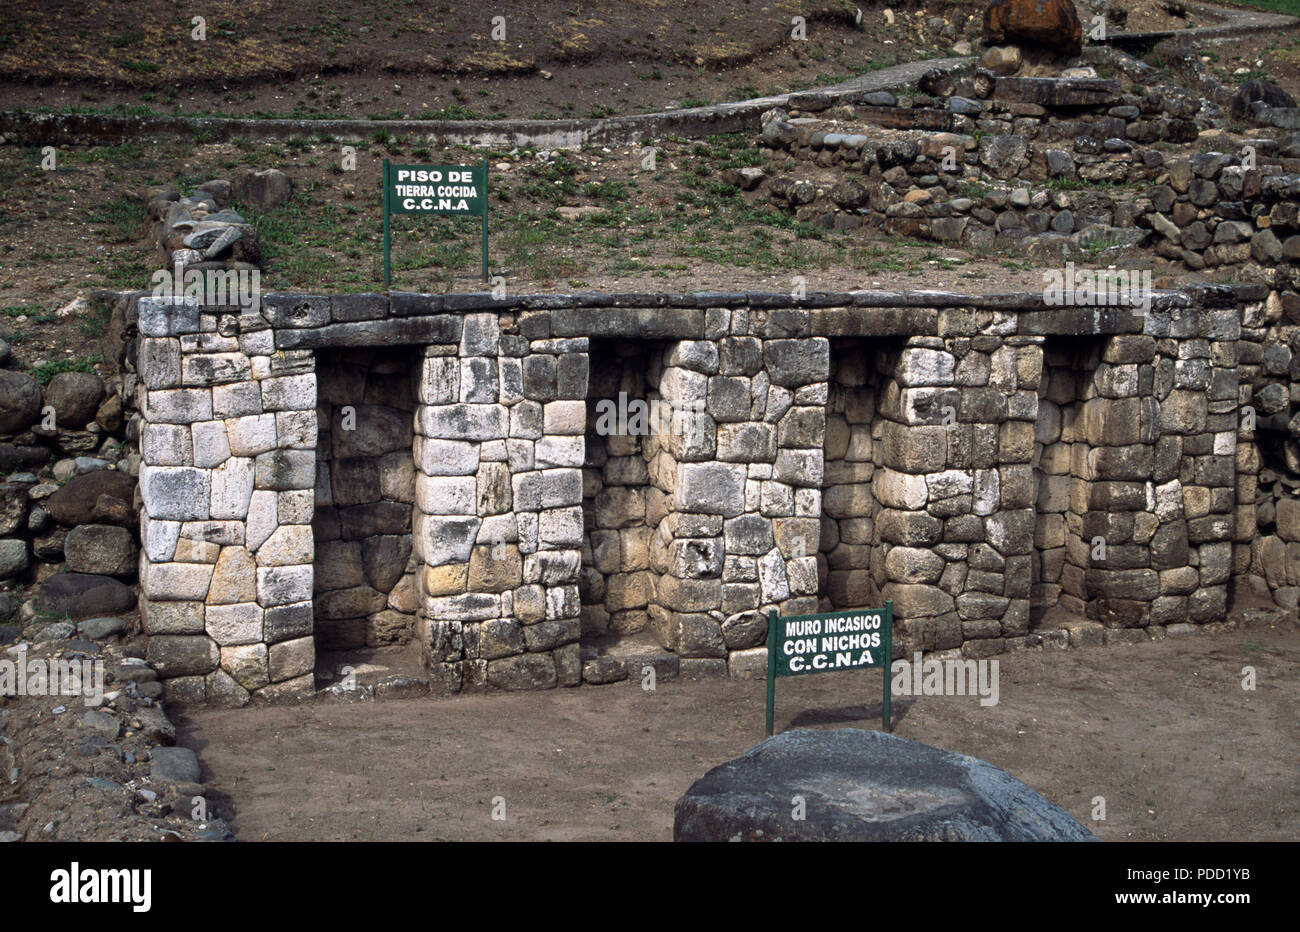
262 189
100 549
864 786
90 499
75 397
20 402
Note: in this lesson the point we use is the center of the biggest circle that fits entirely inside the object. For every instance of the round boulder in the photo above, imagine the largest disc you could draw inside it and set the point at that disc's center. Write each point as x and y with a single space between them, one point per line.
80 595
101 549
1001 59
100 497
13 556
1053 24
75 397
865 786
20 402
261 189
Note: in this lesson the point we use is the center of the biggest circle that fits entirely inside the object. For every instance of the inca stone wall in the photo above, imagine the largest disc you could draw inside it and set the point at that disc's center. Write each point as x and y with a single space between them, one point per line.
499 523
991 464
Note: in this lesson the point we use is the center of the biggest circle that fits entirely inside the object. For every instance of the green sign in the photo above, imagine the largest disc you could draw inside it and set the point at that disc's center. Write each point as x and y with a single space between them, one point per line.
827 643
459 190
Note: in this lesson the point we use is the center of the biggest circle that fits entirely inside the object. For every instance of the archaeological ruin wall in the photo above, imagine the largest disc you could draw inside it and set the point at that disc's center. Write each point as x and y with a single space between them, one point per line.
329 472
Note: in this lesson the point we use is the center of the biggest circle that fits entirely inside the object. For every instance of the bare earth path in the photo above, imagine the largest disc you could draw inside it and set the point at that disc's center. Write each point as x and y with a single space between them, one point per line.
1162 730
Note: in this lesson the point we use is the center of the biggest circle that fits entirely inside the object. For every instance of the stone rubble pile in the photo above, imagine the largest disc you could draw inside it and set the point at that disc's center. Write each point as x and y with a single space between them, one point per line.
201 232
99 771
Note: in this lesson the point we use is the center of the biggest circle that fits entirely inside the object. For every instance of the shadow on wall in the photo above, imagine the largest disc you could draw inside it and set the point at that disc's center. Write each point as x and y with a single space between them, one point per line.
365 577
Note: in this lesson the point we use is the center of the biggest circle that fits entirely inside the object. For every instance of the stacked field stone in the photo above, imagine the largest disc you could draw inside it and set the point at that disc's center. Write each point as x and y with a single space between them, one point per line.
741 534
1268 458
620 501
984 181
849 509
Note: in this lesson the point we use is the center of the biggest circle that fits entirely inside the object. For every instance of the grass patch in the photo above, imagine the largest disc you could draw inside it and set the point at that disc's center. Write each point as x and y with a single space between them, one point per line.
123 217
48 370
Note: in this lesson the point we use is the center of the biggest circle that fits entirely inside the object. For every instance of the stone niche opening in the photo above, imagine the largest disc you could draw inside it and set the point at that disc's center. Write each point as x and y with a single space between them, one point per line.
622 506
364 594
1061 435
849 562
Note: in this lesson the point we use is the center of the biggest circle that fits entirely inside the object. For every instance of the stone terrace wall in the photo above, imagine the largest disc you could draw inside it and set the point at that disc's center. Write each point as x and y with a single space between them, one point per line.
1013 151
847 444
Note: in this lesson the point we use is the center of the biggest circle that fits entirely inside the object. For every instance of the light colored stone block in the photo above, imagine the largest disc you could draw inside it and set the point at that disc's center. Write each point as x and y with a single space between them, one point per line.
441 540
214 368
251 435
559 528
176 493
446 457
232 487
232 578
565 417
167 316
177 582
166 445
247 665
295 506
283 585
263 508
289 393
560 451
290 545
221 533
236 400
289 659
296 430
463 421
196 551
234 624
159 538
439 381
446 495
210 445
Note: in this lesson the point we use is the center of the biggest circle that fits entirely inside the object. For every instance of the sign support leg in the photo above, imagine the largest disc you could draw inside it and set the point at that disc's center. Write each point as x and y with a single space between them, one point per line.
388 268
887 720
771 670
485 220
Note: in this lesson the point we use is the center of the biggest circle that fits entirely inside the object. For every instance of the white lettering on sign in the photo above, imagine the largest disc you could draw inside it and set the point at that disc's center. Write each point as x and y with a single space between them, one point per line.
409 203
441 190
433 175
831 643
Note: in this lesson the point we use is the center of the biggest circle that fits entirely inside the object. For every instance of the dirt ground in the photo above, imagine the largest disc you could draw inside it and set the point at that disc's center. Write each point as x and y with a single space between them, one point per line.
363 57
1163 730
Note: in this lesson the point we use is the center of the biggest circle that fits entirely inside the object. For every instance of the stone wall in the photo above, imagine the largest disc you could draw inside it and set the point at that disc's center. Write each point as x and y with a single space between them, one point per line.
499 525
961 455
1053 166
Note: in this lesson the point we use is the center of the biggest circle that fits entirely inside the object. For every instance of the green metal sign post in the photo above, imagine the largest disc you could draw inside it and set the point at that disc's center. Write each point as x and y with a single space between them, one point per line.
459 190
826 643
